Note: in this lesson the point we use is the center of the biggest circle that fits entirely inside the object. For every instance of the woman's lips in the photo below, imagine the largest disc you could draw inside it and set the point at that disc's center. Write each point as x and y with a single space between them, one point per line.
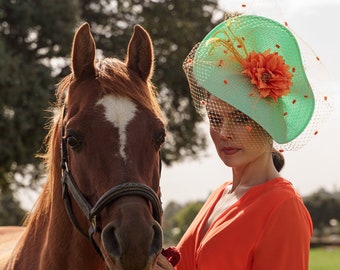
229 150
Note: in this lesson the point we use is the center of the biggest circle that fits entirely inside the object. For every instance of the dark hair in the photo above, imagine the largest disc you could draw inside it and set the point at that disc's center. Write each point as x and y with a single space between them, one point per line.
278 160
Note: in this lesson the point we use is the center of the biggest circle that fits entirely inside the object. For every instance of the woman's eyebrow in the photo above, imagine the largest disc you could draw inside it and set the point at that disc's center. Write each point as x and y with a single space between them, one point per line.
237 113
218 112
211 112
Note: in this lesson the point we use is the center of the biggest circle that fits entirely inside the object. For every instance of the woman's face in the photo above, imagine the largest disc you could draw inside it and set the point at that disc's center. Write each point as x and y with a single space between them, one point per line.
238 139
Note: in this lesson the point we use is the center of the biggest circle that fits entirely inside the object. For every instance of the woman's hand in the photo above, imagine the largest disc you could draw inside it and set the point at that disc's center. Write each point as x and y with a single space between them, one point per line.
163 263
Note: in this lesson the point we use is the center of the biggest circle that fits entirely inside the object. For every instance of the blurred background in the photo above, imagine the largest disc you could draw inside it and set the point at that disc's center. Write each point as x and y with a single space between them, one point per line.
35 44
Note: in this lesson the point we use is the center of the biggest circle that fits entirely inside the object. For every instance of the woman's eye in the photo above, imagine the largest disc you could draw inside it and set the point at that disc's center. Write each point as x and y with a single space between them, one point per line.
73 141
215 119
240 118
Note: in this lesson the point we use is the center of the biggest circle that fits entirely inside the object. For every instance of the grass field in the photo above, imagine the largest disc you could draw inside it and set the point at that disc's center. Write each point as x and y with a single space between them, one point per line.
324 258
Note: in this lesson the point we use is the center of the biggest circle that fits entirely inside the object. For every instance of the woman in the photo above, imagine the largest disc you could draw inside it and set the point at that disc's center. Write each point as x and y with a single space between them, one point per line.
247 76
257 221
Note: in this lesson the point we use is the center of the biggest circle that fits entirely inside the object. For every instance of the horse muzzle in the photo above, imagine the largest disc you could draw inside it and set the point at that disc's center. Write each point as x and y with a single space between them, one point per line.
132 246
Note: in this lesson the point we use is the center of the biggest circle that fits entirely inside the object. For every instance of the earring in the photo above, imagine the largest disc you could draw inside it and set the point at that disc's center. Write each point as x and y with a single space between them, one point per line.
270 141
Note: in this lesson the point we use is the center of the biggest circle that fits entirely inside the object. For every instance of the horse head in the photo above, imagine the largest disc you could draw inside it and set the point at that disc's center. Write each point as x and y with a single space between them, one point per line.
111 132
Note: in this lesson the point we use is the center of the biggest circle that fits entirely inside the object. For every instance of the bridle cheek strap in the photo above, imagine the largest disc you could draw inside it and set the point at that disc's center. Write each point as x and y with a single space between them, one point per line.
68 186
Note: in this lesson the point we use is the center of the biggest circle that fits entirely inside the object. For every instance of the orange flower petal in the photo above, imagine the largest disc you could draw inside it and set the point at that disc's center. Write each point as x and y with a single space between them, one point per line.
269 73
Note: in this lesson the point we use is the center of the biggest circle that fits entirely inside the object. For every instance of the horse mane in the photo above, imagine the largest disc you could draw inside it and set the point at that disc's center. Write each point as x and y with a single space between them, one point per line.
115 78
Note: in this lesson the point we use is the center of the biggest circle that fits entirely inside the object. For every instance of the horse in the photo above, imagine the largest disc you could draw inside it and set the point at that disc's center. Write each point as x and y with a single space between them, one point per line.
100 206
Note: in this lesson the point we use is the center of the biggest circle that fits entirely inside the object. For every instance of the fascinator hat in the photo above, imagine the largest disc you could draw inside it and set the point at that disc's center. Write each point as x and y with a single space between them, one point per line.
254 64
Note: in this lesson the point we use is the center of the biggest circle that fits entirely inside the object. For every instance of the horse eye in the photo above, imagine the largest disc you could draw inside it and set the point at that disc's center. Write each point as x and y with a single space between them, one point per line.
73 141
160 139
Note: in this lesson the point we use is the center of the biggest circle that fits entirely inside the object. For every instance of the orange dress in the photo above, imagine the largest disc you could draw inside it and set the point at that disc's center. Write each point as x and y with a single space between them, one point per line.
267 228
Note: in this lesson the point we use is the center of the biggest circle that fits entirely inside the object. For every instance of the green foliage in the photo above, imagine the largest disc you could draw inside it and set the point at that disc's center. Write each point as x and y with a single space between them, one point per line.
177 219
174 26
35 42
10 211
32 35
168 223
38 28
323 206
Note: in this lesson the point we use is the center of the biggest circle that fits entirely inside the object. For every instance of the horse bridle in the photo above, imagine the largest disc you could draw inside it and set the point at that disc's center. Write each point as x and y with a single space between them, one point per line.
69 187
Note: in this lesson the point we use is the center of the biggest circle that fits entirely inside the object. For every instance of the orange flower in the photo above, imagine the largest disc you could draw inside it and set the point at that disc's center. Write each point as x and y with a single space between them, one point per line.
269 73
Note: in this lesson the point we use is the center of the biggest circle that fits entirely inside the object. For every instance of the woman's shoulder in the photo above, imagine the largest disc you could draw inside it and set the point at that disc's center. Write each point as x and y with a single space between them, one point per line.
275 192
283 186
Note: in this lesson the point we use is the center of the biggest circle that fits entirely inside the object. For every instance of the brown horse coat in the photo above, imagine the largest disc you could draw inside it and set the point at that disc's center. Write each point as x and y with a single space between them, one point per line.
113 129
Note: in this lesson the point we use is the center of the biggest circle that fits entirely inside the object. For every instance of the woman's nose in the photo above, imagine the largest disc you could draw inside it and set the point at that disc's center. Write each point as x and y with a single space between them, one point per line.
226 131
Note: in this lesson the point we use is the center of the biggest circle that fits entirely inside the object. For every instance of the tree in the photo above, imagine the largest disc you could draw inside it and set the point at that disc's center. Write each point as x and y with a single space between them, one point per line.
176 220
175 26
35 41
168 223
32 35
323 207
10 211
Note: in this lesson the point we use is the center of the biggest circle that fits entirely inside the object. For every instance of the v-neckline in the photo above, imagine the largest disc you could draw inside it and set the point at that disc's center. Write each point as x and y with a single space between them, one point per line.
203 232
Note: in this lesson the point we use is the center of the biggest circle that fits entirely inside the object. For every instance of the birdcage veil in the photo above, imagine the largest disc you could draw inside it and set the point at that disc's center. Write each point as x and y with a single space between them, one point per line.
255 64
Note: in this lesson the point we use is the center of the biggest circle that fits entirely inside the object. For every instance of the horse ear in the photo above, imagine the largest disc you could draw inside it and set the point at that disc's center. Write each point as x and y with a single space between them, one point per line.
140 53
83 53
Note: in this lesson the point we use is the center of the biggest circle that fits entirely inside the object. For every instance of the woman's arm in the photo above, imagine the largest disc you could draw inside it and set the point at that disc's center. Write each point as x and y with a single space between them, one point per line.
285 241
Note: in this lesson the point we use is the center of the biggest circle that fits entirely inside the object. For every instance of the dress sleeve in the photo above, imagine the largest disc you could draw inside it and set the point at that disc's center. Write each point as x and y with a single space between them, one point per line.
285 239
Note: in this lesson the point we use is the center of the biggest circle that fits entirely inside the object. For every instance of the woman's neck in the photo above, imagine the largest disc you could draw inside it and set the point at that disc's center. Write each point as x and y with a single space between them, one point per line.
254 173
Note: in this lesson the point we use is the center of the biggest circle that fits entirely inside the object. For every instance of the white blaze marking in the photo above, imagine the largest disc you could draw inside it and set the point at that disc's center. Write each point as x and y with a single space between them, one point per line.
119 111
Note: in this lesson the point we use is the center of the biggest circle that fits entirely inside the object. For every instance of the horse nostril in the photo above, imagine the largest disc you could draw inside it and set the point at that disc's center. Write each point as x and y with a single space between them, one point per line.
157 242
110 241
132 247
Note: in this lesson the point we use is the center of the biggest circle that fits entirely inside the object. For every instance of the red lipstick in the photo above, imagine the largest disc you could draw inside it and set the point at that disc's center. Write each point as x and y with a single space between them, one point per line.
229 150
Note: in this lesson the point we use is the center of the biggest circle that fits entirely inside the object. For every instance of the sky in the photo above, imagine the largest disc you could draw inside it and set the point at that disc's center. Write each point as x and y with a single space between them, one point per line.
309 169
313 167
